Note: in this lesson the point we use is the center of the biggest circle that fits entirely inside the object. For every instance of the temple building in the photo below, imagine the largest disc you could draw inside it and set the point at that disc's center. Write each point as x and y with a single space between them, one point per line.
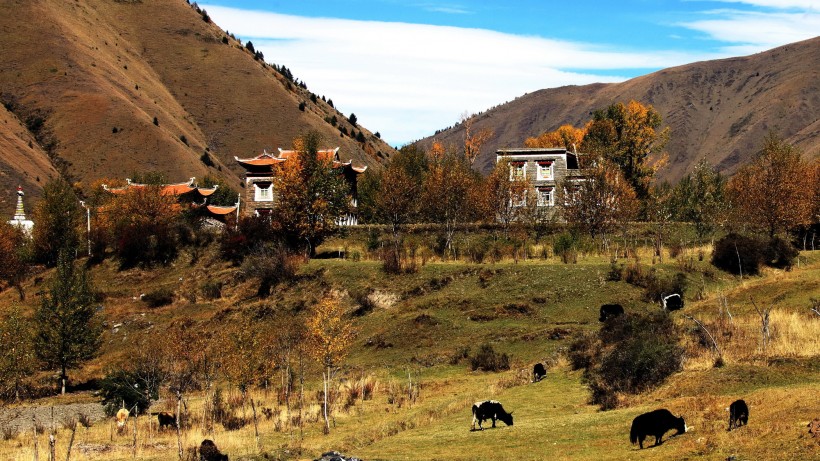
259 181
175 189
19 219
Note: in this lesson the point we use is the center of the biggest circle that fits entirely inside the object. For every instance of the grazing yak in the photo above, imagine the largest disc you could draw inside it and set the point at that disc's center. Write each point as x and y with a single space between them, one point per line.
738 414
165 419
655 423
209 452
673 302
490 409
538 372
609 311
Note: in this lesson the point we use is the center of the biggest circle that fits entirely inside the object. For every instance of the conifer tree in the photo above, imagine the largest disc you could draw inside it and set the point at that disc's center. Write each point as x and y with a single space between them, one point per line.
68 332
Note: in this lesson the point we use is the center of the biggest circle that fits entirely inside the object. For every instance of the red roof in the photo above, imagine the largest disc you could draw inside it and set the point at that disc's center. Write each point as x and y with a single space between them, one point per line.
167 189
221 210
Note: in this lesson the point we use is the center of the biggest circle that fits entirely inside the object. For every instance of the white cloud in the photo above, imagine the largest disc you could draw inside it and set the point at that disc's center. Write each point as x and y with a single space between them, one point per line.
407 80
780 4
757 31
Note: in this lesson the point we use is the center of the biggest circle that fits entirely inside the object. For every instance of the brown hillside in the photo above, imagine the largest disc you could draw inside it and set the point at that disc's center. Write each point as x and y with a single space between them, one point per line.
90 66
717 110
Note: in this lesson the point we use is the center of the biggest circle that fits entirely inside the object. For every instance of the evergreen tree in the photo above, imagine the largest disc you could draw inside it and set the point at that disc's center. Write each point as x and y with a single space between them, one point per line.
58 217
68 333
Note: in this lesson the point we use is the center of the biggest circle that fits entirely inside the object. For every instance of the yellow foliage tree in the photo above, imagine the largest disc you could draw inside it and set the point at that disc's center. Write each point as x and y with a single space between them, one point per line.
773 193
330 334
566 136
474 138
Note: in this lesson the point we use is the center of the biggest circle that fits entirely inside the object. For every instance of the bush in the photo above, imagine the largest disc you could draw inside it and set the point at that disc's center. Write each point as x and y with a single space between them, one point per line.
658 287
159 297
123 386
270 264
566 246
487 359
581 351
212 289
738 254
780 253
635 353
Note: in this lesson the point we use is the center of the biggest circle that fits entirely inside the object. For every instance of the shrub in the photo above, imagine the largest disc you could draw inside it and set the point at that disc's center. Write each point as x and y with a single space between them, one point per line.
657 287
269 263
581 351
302 106
738 254
159 297
566 246
212 289
122 386
487 359
779 253
635 353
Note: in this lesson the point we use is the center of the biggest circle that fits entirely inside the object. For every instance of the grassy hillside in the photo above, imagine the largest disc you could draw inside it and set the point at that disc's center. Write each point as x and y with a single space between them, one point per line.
419 326
95 74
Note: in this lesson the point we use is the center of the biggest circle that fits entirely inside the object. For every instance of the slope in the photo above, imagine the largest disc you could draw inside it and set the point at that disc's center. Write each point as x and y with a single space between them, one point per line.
126 86
717 110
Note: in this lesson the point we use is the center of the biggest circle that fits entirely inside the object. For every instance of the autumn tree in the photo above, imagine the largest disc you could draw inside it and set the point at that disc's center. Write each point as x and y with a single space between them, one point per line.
330 334
311 195
699 198
505 198
14 257
18 360
474 137
566 136
68 330
630 137
446 191
142 224
600 202
58 216
246 357
770 194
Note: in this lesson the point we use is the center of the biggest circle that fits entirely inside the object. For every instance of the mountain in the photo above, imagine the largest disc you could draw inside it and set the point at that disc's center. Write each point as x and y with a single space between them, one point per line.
107 88
717 110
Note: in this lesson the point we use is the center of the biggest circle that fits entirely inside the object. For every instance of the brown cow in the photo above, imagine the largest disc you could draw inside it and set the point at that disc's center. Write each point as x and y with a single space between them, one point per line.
122 418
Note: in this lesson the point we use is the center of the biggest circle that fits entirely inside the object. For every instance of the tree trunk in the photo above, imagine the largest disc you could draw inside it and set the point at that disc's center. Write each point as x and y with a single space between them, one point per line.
324 409
71 442
34 429
179 436
255 425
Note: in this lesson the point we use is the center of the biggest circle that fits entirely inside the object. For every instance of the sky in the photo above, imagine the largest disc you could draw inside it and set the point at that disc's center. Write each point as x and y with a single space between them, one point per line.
409 68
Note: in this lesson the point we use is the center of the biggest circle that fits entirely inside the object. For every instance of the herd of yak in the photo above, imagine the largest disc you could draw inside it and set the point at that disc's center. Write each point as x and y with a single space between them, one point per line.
655 423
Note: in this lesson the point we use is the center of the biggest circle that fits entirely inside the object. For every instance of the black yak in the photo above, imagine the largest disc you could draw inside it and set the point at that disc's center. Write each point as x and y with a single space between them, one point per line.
738 414
165 419
209 452
673 302
538 372
655 423
490 409
609 311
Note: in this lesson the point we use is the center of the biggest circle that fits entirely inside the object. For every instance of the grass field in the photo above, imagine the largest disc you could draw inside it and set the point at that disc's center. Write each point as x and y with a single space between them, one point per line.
421 322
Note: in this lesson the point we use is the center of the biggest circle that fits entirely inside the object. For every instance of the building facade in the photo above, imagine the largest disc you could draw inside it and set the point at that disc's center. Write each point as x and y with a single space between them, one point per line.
260 171
544 168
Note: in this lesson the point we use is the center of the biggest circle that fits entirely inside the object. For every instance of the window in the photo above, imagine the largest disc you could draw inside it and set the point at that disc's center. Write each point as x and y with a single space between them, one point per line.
518 171
518 199
263 192
545 197
545 170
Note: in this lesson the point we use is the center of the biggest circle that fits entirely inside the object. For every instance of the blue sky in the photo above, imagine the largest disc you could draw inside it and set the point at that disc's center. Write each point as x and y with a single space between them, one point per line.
407 68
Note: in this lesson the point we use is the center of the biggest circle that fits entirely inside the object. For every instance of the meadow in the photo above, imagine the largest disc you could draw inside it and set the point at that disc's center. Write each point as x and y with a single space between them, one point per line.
410 353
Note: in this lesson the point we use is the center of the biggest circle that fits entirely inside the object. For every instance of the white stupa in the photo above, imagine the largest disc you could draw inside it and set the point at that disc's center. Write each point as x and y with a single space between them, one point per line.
19 218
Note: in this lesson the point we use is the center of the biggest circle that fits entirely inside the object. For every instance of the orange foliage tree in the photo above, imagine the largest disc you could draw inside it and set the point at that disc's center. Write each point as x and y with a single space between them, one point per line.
310 196
771 194
141 221
505 198
474 138
447 191
566 136
330 334
600 202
